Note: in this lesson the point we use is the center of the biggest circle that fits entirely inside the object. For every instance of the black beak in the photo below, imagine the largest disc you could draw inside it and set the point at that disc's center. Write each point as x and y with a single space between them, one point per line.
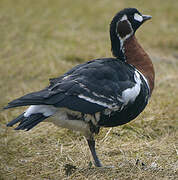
146 17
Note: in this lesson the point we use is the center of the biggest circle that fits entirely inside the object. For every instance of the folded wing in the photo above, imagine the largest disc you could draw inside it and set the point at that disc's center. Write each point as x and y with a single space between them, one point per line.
87 88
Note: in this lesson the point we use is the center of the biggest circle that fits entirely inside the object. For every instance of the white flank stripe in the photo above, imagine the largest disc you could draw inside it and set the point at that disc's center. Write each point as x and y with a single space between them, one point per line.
46 110
144 79
130 94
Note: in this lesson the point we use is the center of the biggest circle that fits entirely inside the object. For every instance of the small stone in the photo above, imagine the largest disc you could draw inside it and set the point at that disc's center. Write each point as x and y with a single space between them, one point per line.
153 165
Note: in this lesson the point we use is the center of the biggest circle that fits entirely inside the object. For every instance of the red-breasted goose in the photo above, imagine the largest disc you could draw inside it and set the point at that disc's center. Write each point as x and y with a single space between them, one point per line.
104 92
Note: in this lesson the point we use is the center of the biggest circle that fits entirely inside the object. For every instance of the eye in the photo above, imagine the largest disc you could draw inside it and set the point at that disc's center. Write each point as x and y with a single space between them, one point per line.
138 17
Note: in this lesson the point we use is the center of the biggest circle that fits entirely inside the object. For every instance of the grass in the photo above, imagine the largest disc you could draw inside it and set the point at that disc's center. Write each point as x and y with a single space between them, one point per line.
42 39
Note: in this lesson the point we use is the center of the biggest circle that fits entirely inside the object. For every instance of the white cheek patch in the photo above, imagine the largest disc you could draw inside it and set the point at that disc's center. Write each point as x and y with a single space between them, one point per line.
138 17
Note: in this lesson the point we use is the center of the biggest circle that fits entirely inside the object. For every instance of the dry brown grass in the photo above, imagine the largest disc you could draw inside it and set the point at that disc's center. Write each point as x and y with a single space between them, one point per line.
42 39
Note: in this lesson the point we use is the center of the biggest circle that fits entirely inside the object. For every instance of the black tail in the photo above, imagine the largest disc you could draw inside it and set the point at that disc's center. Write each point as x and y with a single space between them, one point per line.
43 97
27 123
34 98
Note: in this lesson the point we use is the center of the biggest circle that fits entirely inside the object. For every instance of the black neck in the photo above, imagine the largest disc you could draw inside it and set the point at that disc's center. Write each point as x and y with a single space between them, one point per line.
116 45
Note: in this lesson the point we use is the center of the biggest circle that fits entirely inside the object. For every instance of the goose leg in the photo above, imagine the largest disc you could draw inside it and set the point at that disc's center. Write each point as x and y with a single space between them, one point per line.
91 144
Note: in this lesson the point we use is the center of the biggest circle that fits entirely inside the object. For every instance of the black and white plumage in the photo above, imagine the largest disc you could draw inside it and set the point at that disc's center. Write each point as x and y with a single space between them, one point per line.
108 92
103 92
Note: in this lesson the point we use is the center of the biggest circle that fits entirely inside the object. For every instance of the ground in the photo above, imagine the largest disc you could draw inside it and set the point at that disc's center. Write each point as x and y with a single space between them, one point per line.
43 39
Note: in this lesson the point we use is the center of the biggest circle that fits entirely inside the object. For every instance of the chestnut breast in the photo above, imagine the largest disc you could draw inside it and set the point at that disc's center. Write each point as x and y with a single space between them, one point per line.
136 56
